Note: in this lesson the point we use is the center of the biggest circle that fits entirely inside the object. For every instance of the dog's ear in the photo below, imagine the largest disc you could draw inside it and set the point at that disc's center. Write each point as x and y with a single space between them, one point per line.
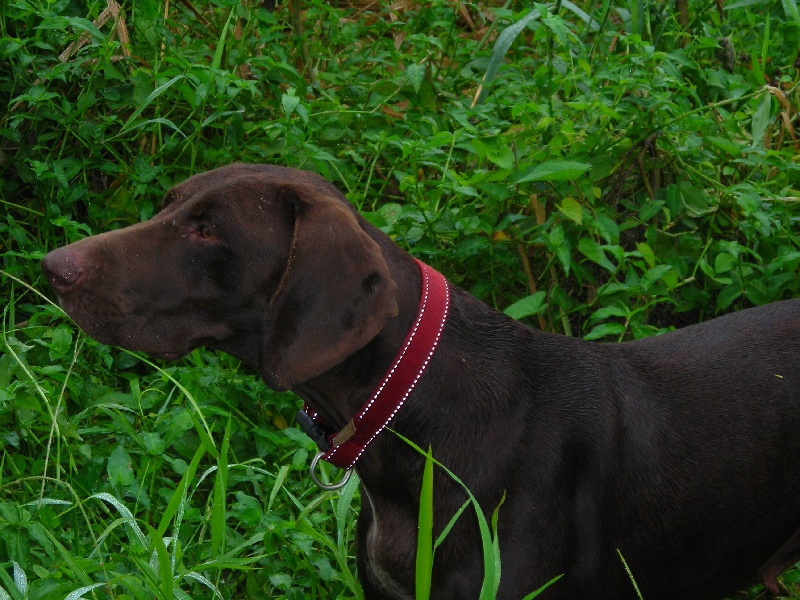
335 294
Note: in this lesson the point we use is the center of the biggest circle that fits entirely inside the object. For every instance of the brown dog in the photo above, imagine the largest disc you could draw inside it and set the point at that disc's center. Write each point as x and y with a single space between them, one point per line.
681 451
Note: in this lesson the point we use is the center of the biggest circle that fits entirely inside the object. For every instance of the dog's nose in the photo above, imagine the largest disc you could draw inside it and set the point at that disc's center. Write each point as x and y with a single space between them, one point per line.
63 269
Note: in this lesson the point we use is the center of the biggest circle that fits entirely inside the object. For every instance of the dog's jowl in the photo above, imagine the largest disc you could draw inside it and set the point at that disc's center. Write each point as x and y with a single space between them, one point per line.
681 453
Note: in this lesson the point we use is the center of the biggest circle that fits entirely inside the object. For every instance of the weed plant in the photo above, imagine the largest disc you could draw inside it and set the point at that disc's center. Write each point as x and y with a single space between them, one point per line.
602 169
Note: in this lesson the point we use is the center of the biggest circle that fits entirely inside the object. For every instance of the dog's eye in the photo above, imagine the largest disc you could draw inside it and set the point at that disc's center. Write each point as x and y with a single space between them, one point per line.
203 231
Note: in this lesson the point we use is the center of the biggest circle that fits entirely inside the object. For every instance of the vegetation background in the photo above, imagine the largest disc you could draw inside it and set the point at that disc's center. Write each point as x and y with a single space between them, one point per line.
601 168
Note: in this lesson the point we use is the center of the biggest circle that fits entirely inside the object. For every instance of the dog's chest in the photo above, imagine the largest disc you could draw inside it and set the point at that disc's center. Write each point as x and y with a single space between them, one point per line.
389 554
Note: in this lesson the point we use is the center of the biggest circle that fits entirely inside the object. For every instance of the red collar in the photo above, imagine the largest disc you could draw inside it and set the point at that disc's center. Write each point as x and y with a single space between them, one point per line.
345 447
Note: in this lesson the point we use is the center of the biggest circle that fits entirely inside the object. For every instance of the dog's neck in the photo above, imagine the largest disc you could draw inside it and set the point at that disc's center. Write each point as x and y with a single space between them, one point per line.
338 394
345 447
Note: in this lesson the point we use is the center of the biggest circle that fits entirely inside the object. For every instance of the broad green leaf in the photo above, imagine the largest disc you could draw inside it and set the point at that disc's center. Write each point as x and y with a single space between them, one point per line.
637 10
727 296
120 468
594 252
655 274
554 170
696 200
86 26
289 102
153 443
572 209
530 305
761 119
609 311
605 330
648 210
416 75
724 262
647 254
62 339
281 580
496 149
18 547
726 145
559 28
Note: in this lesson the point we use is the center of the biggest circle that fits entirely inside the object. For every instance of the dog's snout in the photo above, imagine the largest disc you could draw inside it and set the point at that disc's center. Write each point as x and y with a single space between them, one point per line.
64 269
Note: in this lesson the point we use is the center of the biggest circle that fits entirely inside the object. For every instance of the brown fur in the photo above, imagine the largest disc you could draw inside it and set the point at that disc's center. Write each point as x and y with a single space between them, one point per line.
680 451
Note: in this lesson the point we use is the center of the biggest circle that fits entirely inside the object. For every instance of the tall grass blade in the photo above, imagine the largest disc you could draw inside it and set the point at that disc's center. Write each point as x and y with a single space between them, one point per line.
127 516
20 578
343 510
110 528
305 526
200 579
220 493
11 590
501 46
177 502
205 434
450 523
149 100
78 594
217 60
491 577
591 23
496 544
281 477
48 502
160 560
424 564
636 9
67 559
536 593
792 13
628 571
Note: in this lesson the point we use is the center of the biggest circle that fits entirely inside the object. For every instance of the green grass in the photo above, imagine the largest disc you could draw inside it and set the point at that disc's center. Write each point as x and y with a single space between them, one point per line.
593 168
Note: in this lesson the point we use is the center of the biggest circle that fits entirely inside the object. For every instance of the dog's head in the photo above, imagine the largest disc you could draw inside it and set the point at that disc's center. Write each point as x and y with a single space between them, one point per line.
267 263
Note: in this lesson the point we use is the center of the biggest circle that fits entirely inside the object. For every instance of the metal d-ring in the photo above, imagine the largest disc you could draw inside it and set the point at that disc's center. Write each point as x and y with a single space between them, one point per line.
328 487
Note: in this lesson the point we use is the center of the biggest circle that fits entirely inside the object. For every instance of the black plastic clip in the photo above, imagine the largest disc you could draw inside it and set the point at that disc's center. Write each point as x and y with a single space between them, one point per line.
313 430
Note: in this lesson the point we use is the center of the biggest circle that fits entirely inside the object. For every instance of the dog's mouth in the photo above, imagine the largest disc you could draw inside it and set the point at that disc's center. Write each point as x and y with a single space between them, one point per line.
120 332
151 334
